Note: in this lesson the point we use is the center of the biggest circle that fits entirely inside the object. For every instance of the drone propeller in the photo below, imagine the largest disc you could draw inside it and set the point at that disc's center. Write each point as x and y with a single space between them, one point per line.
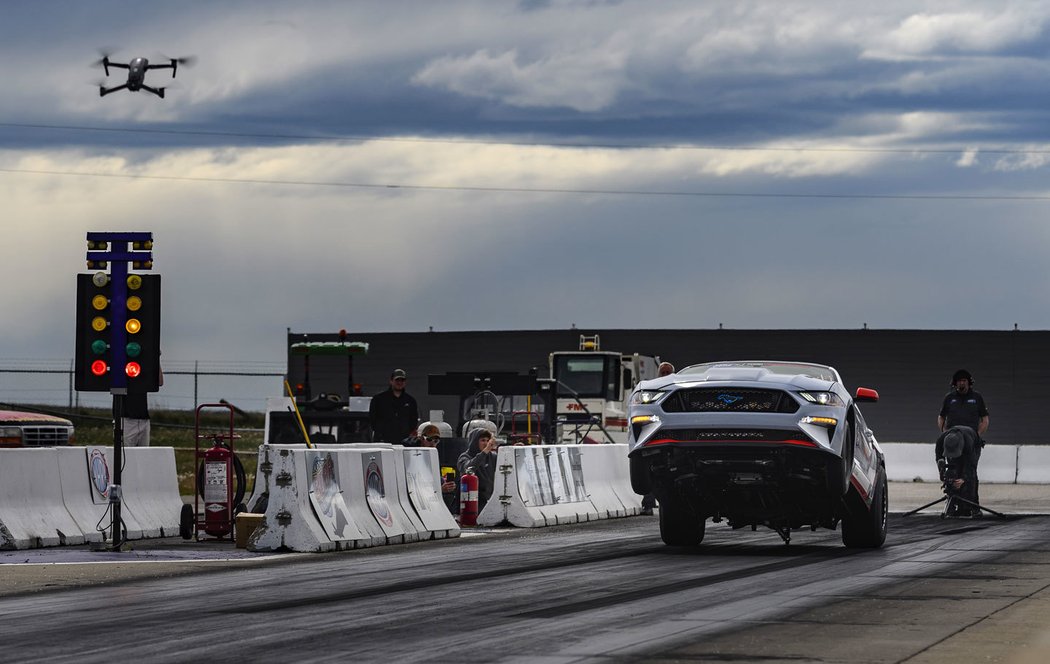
104 60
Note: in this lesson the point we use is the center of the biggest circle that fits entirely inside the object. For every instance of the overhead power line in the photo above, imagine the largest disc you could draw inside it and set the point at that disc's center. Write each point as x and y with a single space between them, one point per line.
469 141
536 190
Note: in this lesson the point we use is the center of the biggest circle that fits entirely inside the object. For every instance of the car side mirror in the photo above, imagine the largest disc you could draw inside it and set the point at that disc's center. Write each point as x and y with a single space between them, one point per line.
865 394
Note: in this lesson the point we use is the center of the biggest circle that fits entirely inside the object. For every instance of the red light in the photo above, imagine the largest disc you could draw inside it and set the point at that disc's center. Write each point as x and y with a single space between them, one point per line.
99 368
133 369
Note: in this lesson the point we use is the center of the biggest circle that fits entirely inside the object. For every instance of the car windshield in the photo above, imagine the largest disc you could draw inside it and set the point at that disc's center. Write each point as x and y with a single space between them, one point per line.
787 368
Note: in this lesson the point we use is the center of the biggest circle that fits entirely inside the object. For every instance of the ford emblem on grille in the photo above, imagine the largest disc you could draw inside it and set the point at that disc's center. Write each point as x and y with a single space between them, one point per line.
729 399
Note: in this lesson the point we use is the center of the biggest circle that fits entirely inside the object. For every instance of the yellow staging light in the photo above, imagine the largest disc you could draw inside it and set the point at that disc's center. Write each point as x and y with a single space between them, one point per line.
99 302
133 326
134 303
134 281
98 323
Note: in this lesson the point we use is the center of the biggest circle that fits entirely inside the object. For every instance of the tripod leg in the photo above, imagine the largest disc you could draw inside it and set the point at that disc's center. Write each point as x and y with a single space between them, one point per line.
919 509
981 507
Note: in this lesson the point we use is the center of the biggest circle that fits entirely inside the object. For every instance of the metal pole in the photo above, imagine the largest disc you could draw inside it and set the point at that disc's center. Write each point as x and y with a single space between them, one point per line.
71 369
195 400
117 532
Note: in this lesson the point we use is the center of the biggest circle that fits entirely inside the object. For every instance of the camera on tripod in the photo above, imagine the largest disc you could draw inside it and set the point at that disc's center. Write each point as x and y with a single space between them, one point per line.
951 471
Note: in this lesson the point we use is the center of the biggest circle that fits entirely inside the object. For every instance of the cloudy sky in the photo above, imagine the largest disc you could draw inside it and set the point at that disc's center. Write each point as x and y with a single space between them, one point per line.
392 166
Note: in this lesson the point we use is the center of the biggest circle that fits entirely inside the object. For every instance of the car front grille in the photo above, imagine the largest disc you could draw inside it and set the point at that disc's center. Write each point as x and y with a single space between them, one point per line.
732 435
45 436
729 400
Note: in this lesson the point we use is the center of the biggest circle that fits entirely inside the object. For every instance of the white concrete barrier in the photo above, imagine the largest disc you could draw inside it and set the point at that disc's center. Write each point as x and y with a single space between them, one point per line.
290 522
375 474
422 475
1033 464
998 464
621 483
349 496
907 462
150 485
599 465
554 484
84 476
32 513
1005 464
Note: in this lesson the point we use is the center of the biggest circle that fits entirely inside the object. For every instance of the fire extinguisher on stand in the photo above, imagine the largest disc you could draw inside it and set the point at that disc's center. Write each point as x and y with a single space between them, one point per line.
468 500
218 490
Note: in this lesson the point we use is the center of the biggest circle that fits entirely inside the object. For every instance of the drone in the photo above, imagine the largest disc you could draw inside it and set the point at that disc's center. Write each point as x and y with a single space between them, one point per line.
137 69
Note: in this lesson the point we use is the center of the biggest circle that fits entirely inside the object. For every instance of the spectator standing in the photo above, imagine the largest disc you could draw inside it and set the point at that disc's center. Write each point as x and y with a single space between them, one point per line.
964 406
393 413
135 418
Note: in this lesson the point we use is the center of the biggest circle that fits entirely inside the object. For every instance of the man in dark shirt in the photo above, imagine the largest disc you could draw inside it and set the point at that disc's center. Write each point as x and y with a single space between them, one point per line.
393 413
965 407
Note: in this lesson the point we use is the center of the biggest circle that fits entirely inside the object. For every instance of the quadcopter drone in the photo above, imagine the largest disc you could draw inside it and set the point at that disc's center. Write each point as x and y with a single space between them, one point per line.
137 69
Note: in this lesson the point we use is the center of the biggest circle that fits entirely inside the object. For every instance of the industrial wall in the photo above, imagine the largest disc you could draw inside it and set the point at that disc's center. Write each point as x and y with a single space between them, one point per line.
911 369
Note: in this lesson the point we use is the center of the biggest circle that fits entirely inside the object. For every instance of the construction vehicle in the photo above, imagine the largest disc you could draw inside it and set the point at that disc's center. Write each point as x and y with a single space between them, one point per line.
592 387
321 380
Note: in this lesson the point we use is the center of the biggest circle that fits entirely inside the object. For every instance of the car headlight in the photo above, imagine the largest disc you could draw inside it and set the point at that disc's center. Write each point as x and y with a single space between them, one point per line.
822 398
648 397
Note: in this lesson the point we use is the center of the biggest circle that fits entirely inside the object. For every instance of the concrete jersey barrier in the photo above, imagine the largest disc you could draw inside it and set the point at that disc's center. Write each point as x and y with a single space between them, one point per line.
349 496
1007 464
554 484
60 495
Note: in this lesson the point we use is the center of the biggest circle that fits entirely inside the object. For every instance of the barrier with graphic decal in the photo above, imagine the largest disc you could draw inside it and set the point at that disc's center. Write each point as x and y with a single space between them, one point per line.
60 495
350 496
554 484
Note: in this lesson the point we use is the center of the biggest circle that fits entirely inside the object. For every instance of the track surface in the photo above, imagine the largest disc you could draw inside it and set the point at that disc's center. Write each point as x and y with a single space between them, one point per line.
598 592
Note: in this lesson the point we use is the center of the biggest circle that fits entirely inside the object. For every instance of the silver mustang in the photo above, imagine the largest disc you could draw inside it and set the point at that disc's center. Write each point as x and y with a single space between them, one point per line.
757 443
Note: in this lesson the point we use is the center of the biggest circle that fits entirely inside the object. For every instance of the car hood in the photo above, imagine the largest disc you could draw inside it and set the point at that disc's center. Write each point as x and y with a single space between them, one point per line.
735 375
20 417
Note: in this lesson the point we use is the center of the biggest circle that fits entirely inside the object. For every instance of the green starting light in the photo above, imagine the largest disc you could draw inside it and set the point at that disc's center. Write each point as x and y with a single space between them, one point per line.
133 349
99 346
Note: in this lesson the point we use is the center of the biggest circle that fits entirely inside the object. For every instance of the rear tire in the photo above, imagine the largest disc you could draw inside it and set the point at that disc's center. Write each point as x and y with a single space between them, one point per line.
865 528
679 526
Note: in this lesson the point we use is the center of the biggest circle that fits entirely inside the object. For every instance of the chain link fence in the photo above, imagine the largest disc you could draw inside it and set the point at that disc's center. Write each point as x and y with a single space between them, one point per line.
187 384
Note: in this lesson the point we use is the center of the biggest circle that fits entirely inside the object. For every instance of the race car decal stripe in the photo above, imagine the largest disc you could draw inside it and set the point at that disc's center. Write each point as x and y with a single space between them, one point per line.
860 490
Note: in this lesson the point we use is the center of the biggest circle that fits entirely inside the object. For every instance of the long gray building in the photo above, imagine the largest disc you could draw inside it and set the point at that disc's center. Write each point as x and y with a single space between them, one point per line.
911 369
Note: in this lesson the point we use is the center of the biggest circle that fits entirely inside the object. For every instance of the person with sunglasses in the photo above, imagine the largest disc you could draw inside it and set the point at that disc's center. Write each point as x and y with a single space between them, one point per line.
393 413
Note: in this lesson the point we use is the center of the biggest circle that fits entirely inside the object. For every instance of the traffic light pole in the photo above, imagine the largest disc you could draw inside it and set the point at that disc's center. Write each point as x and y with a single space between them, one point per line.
107 359
118 461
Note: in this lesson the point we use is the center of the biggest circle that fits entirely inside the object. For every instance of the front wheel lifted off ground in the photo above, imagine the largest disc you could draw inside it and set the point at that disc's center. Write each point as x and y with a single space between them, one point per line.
679 526
863 527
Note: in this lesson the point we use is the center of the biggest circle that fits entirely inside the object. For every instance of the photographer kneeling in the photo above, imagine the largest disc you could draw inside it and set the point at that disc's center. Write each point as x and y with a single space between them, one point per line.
956 453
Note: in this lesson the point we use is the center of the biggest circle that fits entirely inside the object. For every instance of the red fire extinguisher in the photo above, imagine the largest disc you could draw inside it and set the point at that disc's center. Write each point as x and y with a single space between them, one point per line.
468 500
218 490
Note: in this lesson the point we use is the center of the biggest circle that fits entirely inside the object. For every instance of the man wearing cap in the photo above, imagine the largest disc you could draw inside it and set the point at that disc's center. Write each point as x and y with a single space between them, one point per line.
958 448
393 413
963 406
